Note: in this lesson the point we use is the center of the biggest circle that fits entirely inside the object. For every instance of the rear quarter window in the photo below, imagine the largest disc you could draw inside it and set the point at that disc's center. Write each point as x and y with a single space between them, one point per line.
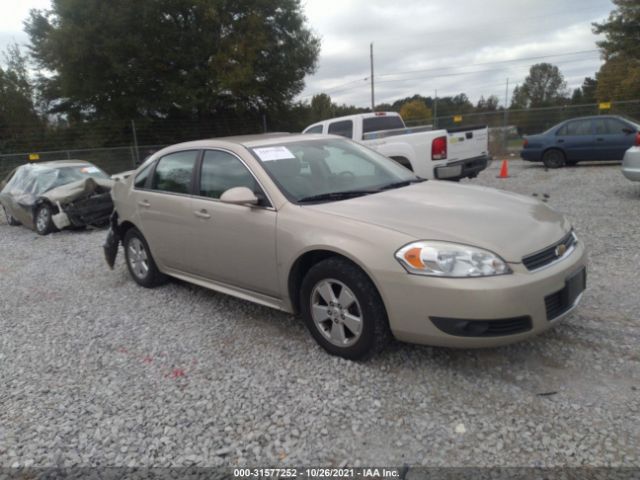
142 177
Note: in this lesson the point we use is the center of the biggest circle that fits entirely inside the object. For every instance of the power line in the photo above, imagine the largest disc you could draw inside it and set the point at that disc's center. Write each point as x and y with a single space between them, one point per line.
515 60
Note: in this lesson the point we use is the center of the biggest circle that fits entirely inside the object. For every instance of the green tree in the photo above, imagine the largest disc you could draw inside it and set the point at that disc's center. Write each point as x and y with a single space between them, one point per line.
21 128
490 104
415 110
621 30
321 107
618 79
544 86
619 76
170 59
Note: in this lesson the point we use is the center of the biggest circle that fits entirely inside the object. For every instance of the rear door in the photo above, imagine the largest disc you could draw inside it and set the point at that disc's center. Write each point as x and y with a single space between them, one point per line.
163 205
233 244
577 140
611 139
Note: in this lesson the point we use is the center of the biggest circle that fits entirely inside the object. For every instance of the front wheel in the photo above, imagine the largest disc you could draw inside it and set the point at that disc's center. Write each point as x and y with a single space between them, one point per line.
44 220
140 263
343 310
553 159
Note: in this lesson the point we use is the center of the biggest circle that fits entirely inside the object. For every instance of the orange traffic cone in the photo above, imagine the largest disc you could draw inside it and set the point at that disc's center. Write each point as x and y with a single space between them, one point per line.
504 170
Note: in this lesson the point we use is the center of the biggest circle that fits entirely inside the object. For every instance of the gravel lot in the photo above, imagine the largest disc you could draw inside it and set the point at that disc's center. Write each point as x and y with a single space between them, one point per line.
97 371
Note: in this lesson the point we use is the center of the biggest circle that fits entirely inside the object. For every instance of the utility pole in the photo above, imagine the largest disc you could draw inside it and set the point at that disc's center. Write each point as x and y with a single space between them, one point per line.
373 102
136 158
506 115
435 110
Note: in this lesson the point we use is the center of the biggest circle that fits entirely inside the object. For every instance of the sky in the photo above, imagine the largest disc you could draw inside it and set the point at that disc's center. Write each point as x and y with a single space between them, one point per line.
420 46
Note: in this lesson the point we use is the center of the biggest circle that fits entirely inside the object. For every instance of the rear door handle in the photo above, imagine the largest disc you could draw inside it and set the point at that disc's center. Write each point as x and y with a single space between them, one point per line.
560 140
600 139
202 213
144 203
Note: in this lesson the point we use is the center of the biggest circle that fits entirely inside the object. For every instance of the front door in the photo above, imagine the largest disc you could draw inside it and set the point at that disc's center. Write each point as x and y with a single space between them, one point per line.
612 138
232 244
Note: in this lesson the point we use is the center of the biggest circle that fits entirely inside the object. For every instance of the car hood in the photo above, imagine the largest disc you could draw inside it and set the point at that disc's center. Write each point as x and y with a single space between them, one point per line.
79 188
505 223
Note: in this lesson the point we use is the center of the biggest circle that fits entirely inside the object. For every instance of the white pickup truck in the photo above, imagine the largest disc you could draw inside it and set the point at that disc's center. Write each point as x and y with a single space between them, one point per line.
442 154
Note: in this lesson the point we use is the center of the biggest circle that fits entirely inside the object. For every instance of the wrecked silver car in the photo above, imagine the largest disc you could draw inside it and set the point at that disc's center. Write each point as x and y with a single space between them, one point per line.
50 196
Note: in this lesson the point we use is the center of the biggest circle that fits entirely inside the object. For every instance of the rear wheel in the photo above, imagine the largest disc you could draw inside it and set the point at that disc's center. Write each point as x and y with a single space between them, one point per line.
140 263
43 220
343 310
553 159
10 219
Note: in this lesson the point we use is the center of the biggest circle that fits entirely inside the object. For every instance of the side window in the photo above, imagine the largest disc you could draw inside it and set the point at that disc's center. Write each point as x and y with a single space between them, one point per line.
579 127
314 129
615 127
344 128
563 130
141 179
222 171
173 172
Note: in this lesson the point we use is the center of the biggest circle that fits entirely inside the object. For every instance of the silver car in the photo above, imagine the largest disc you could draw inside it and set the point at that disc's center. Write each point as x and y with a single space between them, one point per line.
631 164
356 244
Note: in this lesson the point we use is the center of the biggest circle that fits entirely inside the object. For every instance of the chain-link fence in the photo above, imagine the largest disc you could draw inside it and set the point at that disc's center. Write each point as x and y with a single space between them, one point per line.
507 128
111 160
506 131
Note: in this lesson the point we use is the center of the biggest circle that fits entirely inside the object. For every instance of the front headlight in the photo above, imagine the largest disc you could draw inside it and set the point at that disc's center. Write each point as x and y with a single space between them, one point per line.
443 259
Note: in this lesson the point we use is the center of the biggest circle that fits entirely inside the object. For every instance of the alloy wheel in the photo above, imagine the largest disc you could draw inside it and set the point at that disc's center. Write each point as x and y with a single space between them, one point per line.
336 312
138 258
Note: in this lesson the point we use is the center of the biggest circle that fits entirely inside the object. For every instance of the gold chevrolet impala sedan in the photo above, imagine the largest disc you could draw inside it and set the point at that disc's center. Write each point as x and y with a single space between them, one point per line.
356 244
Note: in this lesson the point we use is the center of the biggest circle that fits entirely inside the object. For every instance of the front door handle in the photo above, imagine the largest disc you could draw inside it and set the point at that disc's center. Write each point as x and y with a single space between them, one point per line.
144 203
202 213
560 140
600 139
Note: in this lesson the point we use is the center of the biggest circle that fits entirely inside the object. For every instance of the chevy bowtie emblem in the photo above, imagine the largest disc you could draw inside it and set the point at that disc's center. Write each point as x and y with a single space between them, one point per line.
561 250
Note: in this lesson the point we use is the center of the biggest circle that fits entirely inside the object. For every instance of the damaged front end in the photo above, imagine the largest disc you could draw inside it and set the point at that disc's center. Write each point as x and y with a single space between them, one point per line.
112 242
84 203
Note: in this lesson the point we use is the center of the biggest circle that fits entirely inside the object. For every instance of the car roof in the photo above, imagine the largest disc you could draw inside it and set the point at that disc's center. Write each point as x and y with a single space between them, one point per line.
59 163
596 117
251 141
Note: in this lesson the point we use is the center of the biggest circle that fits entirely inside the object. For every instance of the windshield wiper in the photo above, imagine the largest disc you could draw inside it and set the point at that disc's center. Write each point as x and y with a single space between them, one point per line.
358 193
336 195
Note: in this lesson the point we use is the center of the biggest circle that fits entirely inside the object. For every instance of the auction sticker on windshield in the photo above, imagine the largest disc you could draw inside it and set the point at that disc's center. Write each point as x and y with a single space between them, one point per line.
268 154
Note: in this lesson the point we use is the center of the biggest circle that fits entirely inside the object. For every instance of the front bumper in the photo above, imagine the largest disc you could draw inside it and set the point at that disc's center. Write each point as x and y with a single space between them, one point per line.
111 243
94 210
468 168
414 302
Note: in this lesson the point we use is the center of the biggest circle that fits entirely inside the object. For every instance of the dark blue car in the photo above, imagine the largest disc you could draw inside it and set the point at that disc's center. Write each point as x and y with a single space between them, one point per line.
603 137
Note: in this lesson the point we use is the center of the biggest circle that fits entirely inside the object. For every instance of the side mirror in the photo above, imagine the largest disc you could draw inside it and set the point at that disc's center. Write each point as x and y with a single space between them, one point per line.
628 130
239 196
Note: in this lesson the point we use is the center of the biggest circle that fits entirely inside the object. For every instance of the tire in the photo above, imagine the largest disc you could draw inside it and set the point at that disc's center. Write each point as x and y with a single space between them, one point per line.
10 219
343 310
43 220
554 158
140 263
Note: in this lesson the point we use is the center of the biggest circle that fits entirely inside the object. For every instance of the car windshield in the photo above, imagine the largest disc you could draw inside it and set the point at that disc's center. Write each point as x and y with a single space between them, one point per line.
330 169
36 179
